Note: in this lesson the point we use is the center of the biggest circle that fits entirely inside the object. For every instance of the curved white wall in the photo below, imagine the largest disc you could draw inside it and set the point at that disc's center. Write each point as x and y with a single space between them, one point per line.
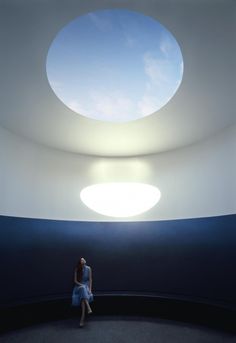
39 182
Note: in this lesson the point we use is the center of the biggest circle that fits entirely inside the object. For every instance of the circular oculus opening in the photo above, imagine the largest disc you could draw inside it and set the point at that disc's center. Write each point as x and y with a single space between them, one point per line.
120 199
114 65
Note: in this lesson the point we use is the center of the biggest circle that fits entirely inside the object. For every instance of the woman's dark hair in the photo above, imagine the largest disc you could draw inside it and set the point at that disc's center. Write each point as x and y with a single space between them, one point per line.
79 269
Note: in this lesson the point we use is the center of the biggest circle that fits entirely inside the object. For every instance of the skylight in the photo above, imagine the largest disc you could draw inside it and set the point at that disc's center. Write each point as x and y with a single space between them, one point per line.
114 65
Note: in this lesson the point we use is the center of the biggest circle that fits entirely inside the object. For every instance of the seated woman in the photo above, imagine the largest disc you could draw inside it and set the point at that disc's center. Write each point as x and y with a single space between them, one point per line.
82 292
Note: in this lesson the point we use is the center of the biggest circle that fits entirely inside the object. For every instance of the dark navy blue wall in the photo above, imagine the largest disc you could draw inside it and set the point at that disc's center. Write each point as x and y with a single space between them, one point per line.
195 258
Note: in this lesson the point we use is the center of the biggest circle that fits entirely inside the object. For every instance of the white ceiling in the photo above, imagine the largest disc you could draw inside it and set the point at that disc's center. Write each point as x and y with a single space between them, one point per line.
203 105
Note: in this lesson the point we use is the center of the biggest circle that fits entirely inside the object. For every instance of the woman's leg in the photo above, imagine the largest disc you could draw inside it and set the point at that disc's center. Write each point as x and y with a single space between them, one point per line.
88 306
83 313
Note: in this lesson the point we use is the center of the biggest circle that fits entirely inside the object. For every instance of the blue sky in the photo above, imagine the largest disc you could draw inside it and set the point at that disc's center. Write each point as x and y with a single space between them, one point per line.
114 65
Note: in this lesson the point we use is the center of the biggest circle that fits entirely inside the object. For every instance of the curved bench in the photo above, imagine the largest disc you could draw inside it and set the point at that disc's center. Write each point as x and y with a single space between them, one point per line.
180 308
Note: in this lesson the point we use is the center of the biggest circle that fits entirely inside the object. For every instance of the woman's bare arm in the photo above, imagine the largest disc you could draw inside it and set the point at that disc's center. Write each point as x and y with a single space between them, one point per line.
76 280
90 279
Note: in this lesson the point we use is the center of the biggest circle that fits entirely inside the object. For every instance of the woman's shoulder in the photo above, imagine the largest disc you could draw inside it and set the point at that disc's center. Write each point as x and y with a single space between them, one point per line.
88 267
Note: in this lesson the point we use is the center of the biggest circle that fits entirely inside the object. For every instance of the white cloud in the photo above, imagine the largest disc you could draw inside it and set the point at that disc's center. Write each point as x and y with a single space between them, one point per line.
147 105
56 85
130 41
181 67
166 46
179 80
105 106
110 105
160 83
157 70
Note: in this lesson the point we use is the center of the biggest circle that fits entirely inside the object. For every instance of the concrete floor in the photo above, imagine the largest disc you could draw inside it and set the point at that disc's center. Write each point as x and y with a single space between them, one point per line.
114 329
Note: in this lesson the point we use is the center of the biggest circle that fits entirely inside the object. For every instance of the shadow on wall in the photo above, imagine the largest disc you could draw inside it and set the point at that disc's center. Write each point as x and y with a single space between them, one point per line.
191 258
